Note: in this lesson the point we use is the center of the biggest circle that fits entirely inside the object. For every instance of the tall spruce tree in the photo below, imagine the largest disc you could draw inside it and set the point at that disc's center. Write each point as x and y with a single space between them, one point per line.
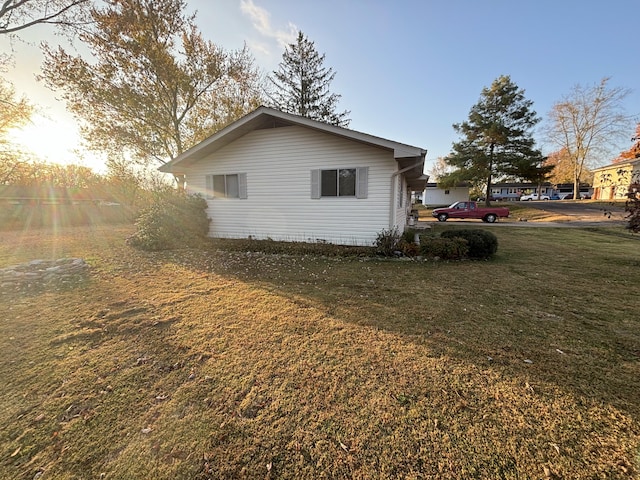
496 139
301 85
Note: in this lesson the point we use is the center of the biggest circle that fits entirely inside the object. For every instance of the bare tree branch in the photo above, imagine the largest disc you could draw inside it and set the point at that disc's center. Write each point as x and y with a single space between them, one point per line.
16 15
588 123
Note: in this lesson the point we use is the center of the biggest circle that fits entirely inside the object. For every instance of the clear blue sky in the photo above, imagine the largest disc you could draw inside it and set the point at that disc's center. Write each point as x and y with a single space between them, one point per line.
408 69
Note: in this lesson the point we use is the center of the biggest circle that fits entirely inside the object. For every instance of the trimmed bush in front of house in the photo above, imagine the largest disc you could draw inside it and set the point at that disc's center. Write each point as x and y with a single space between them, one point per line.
392 243
388 242
443 248
175 220
482 244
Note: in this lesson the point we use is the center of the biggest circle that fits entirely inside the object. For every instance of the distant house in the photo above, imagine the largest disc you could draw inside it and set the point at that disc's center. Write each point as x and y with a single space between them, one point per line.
435 196
509 191
512 191
614 181
564 189
275 175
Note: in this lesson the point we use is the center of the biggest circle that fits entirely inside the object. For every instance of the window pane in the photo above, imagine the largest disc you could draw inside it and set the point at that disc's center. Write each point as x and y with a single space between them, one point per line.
347 182
218 186
329 183
233 190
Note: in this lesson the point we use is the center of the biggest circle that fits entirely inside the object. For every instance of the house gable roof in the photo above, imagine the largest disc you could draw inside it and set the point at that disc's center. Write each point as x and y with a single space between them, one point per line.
625 163
265 117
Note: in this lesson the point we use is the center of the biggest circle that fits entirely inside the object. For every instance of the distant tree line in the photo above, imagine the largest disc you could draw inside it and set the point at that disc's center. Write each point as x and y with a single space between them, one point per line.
151 87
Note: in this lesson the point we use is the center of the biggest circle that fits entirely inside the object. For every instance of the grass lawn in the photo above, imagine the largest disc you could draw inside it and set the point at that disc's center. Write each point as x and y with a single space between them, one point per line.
211 364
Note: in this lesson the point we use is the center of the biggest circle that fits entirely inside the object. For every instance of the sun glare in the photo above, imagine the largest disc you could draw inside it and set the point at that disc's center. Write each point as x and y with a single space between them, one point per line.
54 142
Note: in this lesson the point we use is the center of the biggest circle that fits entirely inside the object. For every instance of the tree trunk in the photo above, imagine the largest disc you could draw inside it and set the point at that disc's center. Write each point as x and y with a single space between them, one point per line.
487 200
577 170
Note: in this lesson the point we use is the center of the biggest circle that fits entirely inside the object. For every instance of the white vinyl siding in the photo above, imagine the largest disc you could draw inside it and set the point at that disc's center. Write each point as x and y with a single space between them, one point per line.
436 197
401 204
278 164
315 184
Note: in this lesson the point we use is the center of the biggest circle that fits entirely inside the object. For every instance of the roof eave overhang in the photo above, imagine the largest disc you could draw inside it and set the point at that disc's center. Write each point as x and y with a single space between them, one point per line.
413 171
264 117
627 163
418 184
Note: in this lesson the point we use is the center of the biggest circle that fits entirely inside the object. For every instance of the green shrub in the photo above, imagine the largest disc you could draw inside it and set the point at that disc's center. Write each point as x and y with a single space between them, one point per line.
409 249
409 235
481 243
175 220
388 242
455 248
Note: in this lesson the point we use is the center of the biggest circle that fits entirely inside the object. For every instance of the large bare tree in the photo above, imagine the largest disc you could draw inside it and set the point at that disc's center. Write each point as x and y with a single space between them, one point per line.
587 124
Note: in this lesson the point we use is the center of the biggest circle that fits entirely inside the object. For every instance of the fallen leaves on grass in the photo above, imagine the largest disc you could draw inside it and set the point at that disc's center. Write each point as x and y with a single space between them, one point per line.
241 365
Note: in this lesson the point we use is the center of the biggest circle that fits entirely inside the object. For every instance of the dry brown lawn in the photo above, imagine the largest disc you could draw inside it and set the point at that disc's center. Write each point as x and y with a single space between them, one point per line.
202 364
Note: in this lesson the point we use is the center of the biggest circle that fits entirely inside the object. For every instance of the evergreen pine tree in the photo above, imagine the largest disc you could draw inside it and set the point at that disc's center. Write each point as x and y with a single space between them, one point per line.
301 85
496 139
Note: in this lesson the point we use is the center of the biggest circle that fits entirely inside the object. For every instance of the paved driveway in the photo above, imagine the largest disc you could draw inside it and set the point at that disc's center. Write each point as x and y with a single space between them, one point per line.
582 210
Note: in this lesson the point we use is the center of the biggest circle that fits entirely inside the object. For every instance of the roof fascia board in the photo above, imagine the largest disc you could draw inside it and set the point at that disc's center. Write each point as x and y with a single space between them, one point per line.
400 150
628 163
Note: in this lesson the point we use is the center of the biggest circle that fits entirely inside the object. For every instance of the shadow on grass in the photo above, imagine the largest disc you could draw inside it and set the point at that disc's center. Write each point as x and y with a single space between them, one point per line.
334 367
545 327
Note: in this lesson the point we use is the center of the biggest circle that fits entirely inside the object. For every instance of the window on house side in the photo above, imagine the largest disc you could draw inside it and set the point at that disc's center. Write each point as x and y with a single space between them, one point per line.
347 182
232 187
227 186
338 183
219 186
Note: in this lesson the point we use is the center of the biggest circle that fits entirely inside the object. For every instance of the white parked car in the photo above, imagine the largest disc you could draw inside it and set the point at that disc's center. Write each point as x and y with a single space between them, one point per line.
534 196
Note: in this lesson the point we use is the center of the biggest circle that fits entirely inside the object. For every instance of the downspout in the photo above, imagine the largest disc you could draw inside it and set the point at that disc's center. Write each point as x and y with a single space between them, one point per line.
392 211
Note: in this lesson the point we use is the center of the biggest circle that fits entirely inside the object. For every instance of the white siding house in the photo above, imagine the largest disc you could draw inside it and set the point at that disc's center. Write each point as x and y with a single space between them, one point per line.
285 177
435 196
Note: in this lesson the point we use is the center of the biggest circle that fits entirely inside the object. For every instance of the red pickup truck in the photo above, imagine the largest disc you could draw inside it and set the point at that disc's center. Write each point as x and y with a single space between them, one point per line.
470 210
